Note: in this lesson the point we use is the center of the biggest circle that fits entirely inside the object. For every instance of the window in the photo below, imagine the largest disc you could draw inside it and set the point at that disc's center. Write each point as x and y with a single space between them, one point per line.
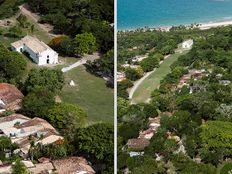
47 56
47 61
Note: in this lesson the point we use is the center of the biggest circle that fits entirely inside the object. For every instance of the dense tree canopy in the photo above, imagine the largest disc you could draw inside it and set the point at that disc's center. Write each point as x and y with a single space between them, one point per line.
67 118
52 80
38 102
85 43
75 17
97 140
201 109
12 65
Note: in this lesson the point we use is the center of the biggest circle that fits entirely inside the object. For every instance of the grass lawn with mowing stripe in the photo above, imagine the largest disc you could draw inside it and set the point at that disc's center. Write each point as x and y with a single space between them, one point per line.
90 93
152 82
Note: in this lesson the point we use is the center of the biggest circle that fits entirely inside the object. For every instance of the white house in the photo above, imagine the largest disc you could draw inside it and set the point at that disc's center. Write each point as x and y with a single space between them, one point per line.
39 52
187 44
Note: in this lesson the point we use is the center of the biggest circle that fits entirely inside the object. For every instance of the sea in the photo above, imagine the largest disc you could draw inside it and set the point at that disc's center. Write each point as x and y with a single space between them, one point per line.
133 14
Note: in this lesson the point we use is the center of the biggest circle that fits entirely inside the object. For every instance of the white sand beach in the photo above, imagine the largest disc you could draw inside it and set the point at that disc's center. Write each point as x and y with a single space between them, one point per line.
205 26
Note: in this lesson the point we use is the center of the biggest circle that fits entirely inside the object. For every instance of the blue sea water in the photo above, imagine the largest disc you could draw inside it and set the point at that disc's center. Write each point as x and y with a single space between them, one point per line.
134 14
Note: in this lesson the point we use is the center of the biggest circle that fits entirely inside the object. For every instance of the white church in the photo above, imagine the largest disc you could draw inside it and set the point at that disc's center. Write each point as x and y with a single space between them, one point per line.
187 44
38 51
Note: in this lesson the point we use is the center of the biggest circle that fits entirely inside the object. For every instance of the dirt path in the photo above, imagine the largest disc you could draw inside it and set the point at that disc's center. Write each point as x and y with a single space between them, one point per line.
24 9
140 81
82 61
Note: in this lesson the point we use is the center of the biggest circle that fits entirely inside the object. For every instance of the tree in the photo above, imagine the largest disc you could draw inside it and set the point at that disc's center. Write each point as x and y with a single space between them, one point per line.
150 110
23 21
32 28
19 168
224 113
216 134
85 43
128 130
144 164
97 140
105 64
56 43
38 102
122 107
67 118
12 65
5 143
122 88
182 122
133 74
53 151
150 63
52 80
15 31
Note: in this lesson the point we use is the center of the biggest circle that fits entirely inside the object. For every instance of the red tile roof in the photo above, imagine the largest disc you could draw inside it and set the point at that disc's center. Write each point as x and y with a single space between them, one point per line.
138 143
72 165
11 96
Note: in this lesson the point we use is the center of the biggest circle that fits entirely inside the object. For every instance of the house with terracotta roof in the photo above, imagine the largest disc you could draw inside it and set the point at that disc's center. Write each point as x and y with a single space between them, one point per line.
21 129
137 143
38 51
73 165
10 97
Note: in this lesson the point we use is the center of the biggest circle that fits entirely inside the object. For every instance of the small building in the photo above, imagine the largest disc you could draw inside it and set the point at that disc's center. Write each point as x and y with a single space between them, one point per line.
10 97
137 143
73 165
37 50
187 44
146 134
225 82
20 128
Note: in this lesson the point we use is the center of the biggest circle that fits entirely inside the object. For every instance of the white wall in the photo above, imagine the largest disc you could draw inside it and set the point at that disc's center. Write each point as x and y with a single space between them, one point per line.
32 54
42 58
48 54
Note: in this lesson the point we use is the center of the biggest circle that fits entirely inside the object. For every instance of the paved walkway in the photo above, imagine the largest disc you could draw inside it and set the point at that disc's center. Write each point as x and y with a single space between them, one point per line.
139 82
82 61
78 63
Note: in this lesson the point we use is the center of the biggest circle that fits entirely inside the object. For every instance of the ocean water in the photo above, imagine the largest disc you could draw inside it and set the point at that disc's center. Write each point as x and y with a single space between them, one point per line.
134 14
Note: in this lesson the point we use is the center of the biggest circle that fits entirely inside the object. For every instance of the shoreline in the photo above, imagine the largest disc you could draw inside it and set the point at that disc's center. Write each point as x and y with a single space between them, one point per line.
200 25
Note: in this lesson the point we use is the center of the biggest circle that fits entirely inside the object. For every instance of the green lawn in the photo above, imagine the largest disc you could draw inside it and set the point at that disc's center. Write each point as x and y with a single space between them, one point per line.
90 93
152 82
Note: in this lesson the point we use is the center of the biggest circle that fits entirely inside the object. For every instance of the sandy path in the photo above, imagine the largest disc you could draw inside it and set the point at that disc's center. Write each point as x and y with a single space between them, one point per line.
45 27
140 81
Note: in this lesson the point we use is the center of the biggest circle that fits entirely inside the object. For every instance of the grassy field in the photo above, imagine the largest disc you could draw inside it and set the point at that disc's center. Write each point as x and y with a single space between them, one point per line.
90 93
152 82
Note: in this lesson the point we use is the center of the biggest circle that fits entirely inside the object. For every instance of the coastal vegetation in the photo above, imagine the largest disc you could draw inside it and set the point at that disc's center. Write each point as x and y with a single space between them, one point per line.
192 103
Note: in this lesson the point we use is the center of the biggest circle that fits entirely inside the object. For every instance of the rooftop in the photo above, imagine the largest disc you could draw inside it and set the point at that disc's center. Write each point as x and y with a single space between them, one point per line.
72 165
10 96
13 117
138 143
33 43
38 129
